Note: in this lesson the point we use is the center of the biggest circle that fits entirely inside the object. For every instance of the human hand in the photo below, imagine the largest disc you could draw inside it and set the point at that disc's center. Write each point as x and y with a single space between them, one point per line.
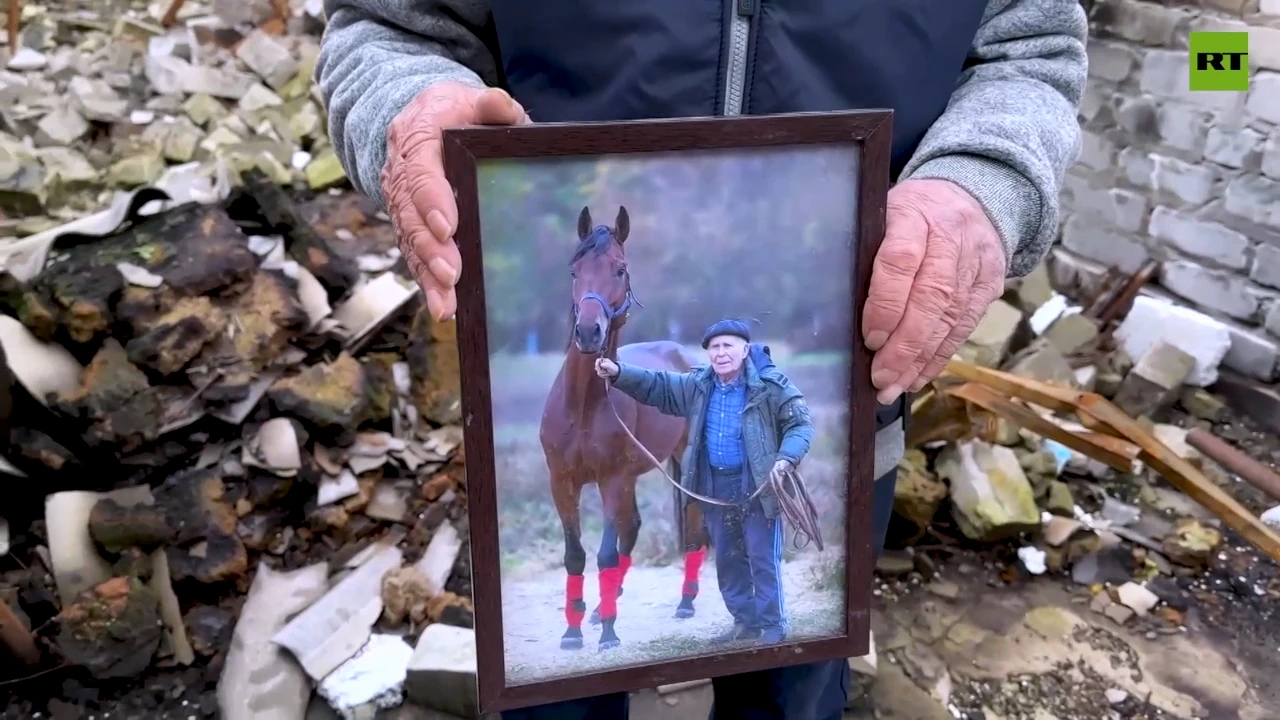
780 468
418 197
606 368
940 266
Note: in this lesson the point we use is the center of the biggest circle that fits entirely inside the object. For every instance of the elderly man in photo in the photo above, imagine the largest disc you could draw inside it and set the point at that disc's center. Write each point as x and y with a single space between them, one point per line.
985 97
747 421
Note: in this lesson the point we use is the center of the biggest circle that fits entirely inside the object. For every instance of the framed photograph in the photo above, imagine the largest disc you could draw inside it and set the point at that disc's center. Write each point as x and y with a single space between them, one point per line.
668 415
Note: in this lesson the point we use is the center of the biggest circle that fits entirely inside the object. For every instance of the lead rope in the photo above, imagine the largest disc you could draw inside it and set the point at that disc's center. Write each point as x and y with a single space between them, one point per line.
789 488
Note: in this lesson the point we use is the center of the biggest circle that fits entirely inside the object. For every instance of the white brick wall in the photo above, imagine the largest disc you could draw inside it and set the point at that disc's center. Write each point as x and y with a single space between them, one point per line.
1189 178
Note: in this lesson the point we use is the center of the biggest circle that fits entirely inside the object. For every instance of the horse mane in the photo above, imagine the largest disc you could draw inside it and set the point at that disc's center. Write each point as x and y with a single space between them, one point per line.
596 243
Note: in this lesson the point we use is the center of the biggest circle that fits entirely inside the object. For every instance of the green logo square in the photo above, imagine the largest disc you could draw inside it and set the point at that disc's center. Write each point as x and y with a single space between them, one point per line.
1220 61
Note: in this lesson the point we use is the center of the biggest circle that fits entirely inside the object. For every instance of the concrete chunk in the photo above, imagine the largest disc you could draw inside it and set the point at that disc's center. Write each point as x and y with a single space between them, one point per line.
1071 333
269 58
442 672
991 340
1155 381
1152 320
990 495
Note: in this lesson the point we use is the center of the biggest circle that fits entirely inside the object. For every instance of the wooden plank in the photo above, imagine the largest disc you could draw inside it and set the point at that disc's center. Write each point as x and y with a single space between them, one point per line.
1052 397
1184 476
1116 453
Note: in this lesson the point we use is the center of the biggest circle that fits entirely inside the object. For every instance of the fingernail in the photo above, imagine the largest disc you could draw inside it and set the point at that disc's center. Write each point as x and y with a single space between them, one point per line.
883 378
439 226
876 339
918 385
889 395
435 303
443 271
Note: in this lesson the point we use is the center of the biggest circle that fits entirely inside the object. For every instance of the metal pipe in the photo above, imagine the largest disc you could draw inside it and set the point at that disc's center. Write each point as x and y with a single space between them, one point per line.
1235 460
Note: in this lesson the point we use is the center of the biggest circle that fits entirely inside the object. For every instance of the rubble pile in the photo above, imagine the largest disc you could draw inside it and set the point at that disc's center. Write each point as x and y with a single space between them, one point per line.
263 416
1081 442
233 445
102 96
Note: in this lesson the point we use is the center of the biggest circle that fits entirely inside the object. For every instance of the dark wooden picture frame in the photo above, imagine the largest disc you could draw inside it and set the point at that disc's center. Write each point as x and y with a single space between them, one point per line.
870 131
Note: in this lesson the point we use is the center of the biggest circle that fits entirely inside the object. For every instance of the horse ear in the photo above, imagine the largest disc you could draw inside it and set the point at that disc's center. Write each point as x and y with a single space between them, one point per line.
584 223
622 227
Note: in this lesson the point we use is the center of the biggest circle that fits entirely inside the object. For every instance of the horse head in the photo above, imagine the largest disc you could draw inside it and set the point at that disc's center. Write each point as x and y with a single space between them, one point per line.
601 284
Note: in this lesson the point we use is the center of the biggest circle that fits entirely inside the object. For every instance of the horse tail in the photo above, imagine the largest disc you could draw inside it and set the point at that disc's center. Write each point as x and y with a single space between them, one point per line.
677 500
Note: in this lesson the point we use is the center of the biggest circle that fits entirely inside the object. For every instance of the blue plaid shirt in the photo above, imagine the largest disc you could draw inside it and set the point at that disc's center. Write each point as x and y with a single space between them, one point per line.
723 429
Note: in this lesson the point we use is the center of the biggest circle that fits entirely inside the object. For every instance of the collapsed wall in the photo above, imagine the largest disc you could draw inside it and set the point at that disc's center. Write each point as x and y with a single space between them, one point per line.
1190 179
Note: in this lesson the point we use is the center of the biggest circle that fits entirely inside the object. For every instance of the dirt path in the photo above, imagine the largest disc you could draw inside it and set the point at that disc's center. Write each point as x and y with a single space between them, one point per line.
533 619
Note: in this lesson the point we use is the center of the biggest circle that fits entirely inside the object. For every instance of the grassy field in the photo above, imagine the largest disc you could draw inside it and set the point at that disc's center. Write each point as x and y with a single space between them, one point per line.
530 536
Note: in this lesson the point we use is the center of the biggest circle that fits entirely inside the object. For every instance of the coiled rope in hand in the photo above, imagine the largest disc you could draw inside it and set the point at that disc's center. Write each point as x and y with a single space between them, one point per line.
788 487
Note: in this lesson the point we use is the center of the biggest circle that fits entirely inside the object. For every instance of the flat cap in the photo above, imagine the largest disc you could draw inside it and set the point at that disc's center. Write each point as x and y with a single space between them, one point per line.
726 327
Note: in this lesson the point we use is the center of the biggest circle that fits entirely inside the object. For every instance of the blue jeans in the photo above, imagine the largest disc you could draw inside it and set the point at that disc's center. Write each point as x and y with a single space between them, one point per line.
748 547
814 691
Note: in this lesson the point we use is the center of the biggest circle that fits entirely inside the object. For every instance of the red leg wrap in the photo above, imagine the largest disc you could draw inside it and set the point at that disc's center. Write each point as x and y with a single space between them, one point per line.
574 607
624 564
693 566
609 593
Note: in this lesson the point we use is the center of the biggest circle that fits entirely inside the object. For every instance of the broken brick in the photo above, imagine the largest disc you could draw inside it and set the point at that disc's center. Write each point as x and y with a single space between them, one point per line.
334 397
434 369
112 630
116 527
196 249
265 318
206 545
118 400
177 337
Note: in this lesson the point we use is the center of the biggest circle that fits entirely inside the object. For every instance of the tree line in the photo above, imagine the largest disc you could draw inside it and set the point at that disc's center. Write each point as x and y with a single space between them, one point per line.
760 234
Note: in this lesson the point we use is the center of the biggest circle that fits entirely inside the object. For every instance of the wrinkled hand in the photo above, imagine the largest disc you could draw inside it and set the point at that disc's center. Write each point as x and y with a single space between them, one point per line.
940 266
606 368
418 196
780 468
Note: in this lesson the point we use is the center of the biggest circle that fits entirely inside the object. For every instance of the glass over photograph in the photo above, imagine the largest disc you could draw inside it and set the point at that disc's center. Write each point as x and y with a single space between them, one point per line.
670 339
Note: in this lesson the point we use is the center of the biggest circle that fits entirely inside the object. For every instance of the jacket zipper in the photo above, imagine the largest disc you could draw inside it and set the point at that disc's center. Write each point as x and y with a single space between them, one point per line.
735 91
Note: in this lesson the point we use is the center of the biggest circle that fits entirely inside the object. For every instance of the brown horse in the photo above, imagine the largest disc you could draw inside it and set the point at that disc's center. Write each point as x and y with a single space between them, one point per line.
584 443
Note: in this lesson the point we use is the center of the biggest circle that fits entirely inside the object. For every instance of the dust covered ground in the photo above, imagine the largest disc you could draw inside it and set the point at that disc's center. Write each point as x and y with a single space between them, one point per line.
979 642
532 625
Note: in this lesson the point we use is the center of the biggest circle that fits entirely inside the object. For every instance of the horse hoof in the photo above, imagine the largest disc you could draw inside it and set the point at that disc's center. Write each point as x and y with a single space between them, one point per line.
609 644
572 639
684 613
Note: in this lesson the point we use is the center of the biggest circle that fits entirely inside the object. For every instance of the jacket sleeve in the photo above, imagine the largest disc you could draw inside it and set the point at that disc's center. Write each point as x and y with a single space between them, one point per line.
669 392
377 55
1010 131
795 427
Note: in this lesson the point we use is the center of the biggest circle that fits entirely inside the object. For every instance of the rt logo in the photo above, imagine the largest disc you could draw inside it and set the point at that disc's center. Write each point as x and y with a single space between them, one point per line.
1220 61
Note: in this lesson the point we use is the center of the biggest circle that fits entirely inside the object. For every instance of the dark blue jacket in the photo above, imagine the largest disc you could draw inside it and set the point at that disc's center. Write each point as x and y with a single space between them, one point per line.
629 59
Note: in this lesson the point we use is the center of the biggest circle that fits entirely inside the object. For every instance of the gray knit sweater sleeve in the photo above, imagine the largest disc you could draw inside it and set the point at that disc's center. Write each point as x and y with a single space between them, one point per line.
377 55
1011 130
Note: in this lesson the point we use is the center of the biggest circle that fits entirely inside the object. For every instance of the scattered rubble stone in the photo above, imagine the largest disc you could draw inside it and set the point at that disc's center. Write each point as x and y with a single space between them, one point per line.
1202 404
1191 543
916 497
1154 382
992 338
442 671
112 630
433 369
206 545
991 498
117 527
209 627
